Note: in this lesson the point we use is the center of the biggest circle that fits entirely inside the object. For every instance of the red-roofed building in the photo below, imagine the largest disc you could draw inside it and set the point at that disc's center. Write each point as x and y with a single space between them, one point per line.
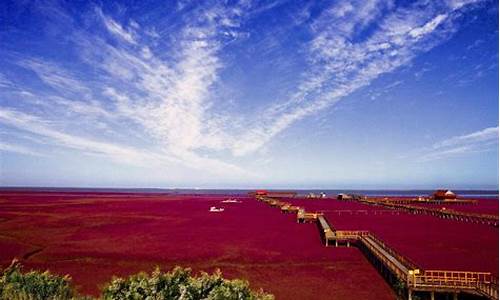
444 195
275 194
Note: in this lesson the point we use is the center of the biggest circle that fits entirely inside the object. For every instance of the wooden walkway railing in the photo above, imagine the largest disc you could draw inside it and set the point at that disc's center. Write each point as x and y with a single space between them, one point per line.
442 213
404 269
428 201
328 232
480 283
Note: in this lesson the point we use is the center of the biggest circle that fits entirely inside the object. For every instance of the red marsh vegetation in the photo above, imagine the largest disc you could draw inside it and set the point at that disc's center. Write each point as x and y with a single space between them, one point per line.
92 236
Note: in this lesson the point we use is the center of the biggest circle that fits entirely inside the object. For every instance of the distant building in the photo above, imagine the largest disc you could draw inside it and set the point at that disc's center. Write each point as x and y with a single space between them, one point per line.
313 195
275 194
444 195
347 197
344 197
281 194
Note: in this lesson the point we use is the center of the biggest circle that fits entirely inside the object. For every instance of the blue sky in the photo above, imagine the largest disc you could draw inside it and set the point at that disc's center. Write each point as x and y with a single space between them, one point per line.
318 94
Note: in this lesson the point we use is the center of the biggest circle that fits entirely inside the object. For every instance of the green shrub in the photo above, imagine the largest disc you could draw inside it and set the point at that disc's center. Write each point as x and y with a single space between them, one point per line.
179 284
176 284
33 285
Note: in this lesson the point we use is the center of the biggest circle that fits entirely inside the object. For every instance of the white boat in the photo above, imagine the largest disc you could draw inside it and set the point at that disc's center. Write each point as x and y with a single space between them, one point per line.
215 209
231 201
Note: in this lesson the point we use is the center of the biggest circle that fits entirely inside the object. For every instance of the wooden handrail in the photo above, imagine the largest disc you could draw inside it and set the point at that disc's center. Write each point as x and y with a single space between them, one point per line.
410 264
448 212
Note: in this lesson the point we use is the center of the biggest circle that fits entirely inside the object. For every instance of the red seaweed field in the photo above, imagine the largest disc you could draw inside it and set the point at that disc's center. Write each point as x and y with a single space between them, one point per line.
92 236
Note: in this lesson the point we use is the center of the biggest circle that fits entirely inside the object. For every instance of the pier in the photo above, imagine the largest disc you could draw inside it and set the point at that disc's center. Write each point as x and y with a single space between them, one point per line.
451 214
395 267
427 201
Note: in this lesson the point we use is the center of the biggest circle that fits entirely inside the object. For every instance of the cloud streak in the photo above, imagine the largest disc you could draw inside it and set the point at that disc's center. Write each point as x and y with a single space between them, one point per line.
116 28
7 147
479 141
117 153
169 100
342 60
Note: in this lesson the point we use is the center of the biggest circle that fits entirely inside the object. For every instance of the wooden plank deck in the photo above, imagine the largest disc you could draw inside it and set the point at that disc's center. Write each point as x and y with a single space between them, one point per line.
390 261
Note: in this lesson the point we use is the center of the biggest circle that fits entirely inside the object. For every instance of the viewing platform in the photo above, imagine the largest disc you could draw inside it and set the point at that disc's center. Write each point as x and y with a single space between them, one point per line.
288 208
307 217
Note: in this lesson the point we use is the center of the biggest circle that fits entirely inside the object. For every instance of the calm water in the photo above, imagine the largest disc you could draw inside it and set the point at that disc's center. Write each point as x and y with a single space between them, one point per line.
407 193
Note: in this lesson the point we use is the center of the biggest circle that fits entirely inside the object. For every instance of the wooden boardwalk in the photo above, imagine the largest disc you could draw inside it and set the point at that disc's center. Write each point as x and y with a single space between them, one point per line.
428 201
441 213
405 271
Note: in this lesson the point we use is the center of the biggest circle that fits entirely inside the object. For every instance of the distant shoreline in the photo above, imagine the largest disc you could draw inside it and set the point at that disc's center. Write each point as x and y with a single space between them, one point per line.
329 192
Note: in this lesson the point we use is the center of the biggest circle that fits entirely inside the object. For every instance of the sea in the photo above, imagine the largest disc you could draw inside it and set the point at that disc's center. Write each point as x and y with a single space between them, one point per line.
493 194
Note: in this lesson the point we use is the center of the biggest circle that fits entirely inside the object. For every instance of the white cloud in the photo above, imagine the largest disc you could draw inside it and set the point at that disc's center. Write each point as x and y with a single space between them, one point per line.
171 99
6 147
428 27
117 29
4 81
479 141
55 76
118 153
88 109
342 61
457 4
482 136
169 93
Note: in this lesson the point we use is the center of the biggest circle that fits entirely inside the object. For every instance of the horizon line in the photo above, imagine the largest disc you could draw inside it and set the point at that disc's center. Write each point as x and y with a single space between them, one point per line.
243 188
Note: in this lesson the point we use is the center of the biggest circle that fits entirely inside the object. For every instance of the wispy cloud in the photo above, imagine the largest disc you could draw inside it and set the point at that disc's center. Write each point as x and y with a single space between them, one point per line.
381 91
117 29
121 154
342 60
117 153
170 99
55 76
479 141
428 27
4 81
168 93
7 147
